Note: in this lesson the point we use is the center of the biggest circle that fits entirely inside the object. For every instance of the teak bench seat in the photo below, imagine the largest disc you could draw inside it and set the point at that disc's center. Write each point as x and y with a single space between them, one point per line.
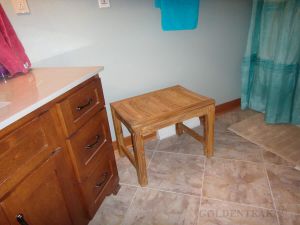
145 114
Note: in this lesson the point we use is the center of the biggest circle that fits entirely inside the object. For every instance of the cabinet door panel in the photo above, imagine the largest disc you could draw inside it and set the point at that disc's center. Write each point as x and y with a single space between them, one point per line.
3 219
34 139
39 198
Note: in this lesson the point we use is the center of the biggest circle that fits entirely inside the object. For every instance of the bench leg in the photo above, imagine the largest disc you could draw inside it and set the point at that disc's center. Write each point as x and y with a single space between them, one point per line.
118 132
179 130
139 154
210 131
204 122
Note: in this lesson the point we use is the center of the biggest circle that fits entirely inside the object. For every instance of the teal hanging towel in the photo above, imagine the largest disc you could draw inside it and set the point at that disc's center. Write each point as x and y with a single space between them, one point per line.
271 66
178 14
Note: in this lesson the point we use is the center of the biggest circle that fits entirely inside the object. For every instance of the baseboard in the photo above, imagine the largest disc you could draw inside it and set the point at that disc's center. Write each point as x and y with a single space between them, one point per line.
192 123
227 106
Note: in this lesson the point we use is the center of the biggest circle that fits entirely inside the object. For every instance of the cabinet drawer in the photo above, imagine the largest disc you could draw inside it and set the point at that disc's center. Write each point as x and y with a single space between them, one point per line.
96 186
25 147
80 106
88 145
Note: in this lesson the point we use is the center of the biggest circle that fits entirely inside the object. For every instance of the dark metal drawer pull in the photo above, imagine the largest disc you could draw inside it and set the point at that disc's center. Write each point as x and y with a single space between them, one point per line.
78 108
21 220
95 143
103 180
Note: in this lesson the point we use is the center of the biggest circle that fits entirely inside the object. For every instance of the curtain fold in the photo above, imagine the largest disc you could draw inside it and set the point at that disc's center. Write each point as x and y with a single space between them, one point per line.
270 68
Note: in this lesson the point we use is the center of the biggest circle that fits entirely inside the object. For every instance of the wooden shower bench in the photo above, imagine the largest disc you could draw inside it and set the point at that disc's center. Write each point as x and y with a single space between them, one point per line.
145 114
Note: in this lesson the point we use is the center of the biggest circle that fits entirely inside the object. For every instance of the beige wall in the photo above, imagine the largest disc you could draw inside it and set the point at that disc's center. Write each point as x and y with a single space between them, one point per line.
138 56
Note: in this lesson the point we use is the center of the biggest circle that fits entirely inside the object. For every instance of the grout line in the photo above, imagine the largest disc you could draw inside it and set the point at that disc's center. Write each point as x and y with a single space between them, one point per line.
272 196
158 142
158 189
241 204
205 160
197 216
172 192
152 156
215 157
153 152
291 213
125 214
131 185
180 153
275 164
201 195
238 160
214 199
280 165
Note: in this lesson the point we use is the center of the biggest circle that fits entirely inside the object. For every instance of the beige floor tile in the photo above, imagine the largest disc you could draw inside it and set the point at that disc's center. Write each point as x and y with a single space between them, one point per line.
176 172
220 126
270 157
152 207
288 218
230 146
151 145
234 116
227 144
127 172
181 144
178 167
218 212
285 184
237 181
114 208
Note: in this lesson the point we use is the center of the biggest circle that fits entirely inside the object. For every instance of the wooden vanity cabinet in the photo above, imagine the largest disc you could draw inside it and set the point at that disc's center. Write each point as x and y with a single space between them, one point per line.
40 198
57 163
38 185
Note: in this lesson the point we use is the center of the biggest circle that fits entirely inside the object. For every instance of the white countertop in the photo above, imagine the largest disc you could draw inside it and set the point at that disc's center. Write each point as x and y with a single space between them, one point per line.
23 94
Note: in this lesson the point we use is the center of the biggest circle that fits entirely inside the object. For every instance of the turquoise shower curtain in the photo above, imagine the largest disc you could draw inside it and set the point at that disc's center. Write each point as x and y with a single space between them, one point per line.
270 68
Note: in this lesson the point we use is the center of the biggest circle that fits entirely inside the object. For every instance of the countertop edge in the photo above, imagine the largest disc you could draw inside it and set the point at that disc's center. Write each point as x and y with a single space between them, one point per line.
22 113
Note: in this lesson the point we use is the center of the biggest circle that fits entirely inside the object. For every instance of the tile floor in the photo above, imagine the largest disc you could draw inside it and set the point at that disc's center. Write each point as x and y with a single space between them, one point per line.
241 185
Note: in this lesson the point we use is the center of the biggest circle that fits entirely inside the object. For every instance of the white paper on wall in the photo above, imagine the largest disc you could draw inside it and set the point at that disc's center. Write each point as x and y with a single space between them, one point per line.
20 6
104 3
